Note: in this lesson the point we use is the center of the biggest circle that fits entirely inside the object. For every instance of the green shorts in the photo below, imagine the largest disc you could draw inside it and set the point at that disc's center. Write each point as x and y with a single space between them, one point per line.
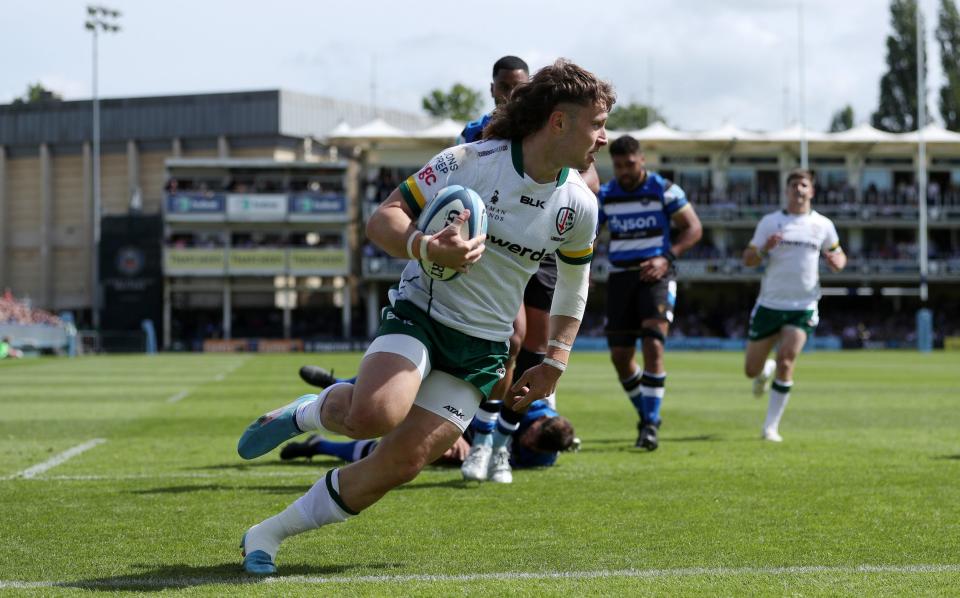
471 359
766 322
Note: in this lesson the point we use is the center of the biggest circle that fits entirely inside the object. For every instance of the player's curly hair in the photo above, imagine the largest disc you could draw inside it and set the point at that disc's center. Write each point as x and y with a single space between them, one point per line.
556 434
531 103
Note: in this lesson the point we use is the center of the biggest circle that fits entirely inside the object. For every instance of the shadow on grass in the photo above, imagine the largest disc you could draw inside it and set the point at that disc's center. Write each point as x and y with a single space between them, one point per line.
698 438
456 483
155 579
947 457
186 489
254 465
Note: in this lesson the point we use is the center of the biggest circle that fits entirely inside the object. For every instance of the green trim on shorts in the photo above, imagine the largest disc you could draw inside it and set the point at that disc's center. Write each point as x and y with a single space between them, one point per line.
765 322
471 359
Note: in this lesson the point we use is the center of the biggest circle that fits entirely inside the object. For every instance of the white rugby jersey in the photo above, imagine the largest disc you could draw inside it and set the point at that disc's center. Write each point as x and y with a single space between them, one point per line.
792 277
526 221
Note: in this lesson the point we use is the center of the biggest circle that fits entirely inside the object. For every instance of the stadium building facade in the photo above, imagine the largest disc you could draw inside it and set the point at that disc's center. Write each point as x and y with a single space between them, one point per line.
227 143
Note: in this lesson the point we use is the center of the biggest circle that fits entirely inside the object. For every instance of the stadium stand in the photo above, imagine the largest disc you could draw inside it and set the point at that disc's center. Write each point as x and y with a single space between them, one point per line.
162 149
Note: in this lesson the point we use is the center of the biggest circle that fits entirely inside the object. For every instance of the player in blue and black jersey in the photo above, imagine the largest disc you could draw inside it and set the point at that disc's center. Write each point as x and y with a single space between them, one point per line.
639 208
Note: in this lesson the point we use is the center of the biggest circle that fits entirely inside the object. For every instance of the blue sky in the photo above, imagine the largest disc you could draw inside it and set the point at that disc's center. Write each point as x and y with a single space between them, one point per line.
703 62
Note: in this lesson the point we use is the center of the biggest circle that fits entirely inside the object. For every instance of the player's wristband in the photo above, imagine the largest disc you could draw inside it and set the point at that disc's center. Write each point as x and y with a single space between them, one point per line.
424 240
671 257
410 239
559 344
555 363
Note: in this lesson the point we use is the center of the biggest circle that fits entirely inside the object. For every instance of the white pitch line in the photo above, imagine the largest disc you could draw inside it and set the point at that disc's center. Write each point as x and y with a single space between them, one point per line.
58 459
178 397
151 582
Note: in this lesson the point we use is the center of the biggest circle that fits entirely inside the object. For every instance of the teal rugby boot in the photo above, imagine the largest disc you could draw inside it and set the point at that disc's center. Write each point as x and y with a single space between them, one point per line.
271 429
257 562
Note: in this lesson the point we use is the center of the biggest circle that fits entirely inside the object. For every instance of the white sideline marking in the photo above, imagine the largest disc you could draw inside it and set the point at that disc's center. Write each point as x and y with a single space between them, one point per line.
179 396
153 582
58 459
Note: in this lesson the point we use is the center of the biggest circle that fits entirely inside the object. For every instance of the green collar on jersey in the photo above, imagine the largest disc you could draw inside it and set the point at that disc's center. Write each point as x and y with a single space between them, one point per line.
516 152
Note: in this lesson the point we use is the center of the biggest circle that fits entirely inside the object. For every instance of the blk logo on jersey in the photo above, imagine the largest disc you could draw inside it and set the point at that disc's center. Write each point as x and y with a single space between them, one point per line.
565 219
496 197
529 201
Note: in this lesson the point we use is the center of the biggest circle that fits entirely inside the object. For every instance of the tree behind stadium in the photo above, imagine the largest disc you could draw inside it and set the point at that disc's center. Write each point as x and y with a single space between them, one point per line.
37 93
948 35
633 116
897 112
842 119
460 103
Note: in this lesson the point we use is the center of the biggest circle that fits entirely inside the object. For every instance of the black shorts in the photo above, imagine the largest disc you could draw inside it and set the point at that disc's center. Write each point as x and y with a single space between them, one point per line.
630 301
539 291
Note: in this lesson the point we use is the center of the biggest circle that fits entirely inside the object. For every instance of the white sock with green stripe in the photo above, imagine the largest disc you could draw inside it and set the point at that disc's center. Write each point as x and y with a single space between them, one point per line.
779 395
322 503
269 533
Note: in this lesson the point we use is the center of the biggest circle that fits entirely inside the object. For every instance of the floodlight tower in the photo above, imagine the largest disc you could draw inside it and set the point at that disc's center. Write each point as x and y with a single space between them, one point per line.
99 18
804 153
924 315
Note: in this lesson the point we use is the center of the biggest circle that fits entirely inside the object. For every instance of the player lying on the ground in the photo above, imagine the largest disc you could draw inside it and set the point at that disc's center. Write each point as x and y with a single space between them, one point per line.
541 435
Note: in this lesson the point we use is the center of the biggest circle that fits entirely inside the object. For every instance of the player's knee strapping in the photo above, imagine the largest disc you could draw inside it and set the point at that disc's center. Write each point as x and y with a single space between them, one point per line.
526 360
652 333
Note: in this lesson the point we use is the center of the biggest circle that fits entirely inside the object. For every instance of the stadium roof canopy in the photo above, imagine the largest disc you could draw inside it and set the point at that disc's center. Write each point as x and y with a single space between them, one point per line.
445 129
660 134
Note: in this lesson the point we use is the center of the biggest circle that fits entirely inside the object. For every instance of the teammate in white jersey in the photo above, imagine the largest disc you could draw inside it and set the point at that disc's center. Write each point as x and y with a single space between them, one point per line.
791 242
441 345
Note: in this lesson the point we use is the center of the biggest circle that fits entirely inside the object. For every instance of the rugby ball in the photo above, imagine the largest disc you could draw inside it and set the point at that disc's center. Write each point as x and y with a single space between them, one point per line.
441 211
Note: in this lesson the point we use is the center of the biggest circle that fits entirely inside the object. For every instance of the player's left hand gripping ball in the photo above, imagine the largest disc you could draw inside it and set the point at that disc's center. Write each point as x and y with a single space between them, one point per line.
440 212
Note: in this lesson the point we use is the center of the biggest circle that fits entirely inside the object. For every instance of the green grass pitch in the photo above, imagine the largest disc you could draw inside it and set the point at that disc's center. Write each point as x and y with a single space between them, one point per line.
862 498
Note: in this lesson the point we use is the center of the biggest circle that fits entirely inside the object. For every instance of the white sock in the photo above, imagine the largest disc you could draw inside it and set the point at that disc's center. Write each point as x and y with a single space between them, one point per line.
779 395
268 534
308 413
322 504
